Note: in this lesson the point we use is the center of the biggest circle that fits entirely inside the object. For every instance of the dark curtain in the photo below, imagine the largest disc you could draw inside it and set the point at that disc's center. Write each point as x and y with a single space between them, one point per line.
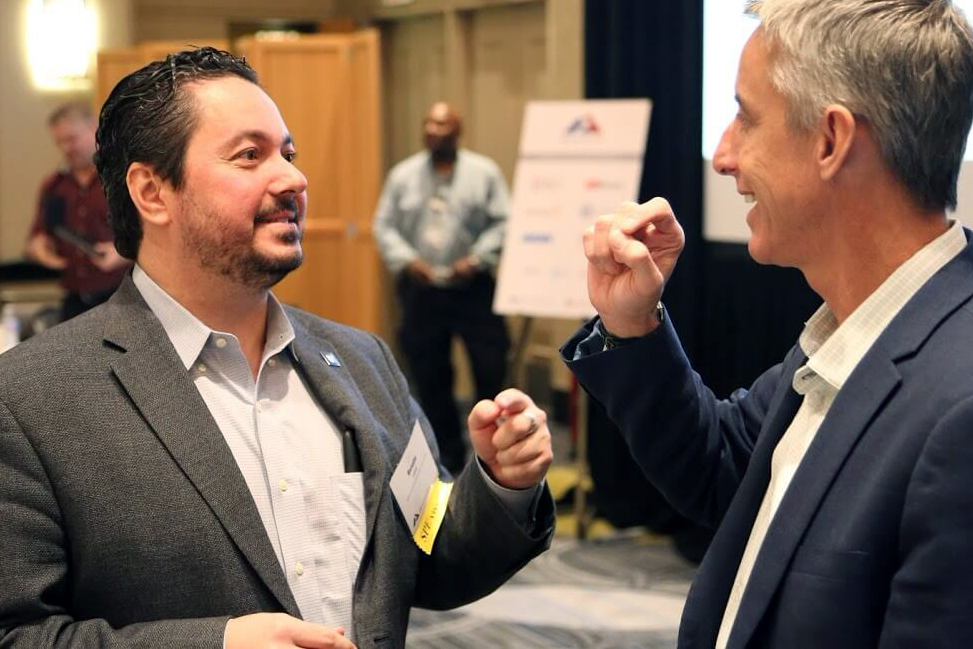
735 318
652 48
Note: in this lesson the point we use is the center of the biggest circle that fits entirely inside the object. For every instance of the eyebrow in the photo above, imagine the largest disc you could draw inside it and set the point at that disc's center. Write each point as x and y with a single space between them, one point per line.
257 136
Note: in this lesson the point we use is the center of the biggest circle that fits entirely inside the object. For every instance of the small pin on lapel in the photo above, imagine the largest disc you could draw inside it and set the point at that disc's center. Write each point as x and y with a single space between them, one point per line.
331 359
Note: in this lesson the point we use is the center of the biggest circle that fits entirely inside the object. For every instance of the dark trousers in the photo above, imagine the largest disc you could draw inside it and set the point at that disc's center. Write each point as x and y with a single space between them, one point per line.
431 316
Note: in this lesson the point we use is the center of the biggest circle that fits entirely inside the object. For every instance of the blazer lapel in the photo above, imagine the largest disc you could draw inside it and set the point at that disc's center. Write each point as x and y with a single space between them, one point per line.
710 590
860 399
849 416
338 395
154 378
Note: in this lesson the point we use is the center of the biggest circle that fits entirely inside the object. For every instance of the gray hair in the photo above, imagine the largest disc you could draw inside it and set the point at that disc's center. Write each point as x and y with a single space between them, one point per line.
905 66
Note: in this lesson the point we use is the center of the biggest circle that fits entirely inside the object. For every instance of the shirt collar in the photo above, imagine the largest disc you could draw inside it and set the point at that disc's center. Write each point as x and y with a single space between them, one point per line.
835 350
189 335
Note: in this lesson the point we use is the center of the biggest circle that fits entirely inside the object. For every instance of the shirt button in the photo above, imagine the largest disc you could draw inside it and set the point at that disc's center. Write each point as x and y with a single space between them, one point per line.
259 407
299 568
201 368
272 362
282 485
221 342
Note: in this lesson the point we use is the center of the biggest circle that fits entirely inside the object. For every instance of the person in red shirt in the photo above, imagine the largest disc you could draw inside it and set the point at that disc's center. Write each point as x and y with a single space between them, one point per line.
70 232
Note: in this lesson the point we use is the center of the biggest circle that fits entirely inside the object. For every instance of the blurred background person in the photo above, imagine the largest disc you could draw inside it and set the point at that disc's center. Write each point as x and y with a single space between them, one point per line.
439 227
70 233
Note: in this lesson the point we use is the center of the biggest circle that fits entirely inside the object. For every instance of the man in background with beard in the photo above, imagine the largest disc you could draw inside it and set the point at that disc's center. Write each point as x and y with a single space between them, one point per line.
215 468
439 227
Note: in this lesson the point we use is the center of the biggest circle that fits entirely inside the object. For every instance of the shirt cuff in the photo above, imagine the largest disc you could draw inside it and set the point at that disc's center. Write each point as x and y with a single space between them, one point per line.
593 344
521 503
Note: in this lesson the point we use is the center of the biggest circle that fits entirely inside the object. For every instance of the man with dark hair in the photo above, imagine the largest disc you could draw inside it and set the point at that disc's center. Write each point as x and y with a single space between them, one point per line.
70 231
439 227
840 482
217 469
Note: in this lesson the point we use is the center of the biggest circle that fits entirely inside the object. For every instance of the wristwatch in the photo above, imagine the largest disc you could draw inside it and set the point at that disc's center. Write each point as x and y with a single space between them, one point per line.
612 341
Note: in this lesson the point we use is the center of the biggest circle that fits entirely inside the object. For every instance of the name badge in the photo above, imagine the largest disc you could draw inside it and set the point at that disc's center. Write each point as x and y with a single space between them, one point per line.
422 497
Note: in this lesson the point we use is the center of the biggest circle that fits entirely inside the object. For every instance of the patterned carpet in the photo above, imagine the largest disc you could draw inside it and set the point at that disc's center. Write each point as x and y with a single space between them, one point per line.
621 592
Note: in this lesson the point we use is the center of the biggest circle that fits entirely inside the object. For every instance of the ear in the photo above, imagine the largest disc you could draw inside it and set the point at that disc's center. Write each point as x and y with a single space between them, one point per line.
149 192
835 139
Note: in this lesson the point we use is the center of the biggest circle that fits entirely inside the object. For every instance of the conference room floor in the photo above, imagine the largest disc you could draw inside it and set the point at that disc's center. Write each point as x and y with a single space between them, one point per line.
619 592
618 589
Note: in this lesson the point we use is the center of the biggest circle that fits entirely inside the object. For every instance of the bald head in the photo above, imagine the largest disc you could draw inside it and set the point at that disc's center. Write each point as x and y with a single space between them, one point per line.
441 129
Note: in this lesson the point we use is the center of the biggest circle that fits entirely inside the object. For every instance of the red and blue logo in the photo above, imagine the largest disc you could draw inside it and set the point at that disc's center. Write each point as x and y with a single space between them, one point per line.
584 125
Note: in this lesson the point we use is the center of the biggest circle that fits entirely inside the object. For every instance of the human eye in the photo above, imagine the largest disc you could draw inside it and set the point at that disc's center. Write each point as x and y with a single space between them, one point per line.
249 155
290 156
742 118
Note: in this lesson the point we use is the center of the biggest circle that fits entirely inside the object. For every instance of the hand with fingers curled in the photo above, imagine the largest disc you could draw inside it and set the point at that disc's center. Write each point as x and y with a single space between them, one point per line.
510 436
631 255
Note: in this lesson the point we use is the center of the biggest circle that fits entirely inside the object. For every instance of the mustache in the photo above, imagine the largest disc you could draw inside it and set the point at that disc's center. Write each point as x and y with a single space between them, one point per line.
280 205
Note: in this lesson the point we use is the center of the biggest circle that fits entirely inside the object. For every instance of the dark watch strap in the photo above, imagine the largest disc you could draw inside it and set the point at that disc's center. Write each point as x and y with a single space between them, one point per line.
612 341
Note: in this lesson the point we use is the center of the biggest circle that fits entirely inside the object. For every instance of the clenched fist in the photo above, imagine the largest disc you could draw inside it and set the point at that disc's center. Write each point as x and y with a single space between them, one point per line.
510 436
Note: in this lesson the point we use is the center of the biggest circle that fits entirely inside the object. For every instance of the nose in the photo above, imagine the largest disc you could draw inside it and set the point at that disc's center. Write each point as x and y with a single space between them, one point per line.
288 179
724 159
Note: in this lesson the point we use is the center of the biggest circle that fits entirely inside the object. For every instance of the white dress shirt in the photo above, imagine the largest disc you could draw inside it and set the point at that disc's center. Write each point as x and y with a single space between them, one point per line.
833 352
288 450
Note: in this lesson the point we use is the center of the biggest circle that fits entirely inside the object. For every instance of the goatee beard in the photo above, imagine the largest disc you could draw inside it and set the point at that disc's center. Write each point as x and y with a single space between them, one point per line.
443 155
235 257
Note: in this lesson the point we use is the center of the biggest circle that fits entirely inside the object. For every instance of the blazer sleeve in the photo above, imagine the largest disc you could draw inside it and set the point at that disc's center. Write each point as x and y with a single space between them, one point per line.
34 576
931 590
692 446
480 544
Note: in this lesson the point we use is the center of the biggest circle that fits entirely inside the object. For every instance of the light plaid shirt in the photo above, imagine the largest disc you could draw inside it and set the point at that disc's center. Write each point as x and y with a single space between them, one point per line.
833 352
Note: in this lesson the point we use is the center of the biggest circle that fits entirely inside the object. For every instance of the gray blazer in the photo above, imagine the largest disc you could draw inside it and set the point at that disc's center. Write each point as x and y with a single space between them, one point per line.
124 520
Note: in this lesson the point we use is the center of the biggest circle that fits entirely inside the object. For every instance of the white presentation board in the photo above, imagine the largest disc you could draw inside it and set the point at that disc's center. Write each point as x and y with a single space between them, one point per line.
578 160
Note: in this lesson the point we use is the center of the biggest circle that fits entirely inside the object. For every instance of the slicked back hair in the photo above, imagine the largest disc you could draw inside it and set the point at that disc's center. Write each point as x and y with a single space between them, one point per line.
149 117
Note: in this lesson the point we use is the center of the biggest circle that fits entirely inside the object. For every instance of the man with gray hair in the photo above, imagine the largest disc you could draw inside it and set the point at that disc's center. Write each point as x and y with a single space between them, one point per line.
840 481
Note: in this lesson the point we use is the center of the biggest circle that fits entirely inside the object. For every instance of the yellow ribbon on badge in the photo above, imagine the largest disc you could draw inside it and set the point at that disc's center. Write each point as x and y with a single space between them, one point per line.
432 515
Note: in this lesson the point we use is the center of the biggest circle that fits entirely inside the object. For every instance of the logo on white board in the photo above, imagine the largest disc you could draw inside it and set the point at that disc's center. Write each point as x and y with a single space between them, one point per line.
583 125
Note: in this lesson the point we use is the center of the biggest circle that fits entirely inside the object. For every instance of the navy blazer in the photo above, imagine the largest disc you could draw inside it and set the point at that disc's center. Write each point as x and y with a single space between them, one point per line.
872 545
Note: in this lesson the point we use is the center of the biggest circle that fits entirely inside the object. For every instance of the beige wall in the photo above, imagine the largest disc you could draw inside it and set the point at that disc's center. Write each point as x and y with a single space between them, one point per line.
189 19
488 57
26 152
